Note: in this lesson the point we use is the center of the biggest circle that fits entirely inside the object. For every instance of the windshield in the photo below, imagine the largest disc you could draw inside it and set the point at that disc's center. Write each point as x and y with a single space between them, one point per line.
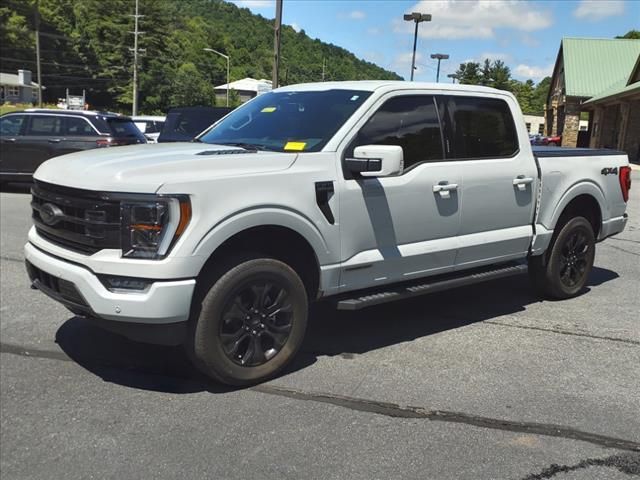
287 121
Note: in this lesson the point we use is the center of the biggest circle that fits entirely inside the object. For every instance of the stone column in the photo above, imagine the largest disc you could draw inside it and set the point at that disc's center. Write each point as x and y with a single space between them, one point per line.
571 124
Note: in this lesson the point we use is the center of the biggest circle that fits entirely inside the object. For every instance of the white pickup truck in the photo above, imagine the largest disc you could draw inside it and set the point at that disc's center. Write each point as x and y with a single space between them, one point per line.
365 192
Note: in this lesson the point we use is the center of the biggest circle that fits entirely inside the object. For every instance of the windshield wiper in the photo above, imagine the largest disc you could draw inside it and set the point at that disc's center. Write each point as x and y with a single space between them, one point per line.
247 146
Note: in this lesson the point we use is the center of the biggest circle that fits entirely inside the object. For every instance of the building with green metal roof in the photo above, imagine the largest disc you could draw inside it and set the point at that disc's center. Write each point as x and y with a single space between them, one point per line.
587 72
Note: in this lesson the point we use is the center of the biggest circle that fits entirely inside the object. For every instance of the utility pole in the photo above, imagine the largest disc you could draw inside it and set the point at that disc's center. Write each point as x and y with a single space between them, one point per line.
276 45
324 67
134 110
39 72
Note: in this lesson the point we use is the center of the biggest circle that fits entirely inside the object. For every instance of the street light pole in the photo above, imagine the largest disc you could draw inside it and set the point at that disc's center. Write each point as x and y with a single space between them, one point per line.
416 17
227 58
453 77
439 56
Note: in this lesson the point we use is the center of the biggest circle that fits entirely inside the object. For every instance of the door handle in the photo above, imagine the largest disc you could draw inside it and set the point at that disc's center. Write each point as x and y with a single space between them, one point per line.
54 140
444 189
521 182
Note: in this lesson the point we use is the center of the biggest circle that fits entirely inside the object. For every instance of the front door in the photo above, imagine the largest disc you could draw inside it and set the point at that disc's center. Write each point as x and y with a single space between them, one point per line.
11 128
499 179
402 227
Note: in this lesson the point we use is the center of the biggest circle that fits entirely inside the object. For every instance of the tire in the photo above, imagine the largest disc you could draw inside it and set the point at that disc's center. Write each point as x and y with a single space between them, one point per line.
562 272
552 144
250 321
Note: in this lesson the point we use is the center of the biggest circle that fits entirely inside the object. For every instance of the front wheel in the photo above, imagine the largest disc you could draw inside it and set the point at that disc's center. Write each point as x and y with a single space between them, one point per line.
568 261
250 323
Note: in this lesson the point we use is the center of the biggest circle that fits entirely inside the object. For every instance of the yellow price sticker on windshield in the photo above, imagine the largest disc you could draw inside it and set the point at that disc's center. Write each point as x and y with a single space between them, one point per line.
295 146
268 109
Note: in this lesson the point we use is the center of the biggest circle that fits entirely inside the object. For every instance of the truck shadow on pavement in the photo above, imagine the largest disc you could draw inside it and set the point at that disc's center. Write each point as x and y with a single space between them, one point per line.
330 333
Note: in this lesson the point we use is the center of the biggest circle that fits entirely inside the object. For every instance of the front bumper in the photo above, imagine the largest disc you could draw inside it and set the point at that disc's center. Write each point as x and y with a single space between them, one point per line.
161 303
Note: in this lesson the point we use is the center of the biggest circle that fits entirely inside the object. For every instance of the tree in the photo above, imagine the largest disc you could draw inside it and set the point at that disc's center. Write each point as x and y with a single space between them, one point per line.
190 88
632 34
468 73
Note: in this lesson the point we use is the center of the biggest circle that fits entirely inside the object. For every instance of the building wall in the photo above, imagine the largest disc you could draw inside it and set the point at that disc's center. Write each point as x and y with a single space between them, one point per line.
570 122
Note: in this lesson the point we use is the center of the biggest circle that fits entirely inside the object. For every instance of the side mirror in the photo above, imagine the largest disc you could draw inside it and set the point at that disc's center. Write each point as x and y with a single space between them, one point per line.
376 160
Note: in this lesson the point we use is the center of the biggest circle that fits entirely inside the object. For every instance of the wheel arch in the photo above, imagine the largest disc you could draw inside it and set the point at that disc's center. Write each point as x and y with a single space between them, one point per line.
584 199
282 235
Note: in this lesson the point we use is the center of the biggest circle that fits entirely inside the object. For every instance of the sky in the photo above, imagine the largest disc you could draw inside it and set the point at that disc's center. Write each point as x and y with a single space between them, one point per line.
524 34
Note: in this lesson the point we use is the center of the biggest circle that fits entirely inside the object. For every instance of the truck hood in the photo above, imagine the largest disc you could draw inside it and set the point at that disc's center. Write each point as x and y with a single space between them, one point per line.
145 168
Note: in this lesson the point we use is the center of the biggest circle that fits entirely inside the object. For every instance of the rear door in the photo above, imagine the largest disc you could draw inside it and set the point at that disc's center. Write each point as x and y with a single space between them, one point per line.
11 129
499 178
41 140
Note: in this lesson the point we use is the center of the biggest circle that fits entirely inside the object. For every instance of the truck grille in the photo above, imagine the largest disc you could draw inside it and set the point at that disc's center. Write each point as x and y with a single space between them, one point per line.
80 220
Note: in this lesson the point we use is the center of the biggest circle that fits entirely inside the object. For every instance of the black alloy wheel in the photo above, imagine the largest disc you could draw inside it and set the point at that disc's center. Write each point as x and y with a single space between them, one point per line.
248 319
574 262
256 322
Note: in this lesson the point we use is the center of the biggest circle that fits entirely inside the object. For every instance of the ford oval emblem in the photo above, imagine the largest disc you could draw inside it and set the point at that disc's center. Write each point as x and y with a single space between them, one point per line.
50 214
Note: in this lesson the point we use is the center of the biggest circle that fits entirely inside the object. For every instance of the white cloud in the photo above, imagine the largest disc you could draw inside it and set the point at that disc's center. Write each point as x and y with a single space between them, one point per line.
597 10
505 57
256 4
455 19
296 27
530 40
353 15
402 61
536 73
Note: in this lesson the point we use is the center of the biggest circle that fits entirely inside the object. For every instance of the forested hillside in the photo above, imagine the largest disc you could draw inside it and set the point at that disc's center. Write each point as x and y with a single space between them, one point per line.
87 44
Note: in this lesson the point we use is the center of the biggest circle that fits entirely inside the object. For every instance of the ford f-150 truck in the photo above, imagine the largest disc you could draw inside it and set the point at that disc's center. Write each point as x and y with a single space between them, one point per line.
364 192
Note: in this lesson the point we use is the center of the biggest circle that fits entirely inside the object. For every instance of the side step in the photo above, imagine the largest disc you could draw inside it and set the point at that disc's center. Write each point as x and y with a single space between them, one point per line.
436 284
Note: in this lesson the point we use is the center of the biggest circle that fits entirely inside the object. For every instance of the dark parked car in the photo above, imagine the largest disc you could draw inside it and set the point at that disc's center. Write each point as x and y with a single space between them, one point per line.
183 124
30 137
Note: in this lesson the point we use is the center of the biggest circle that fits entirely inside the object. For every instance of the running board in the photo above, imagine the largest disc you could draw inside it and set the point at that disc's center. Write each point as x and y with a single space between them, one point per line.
436 284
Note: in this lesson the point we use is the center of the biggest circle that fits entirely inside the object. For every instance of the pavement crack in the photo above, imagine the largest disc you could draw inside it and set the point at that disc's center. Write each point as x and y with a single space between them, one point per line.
623 240
11 259
387 409
564 332
622 249
627 463
397 411
33 352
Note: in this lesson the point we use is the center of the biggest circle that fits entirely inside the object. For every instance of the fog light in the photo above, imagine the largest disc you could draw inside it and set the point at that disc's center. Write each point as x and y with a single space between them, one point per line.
126 284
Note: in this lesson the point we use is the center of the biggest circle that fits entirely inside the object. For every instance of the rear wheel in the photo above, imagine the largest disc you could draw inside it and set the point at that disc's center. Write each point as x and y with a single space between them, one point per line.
564 270
250 323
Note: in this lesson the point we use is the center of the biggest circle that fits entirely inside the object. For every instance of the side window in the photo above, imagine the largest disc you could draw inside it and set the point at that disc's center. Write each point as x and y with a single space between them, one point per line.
44 125
409 121
76 126
11 125
482 128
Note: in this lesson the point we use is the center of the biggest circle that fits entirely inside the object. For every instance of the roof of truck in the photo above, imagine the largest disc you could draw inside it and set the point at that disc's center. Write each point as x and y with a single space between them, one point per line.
372 85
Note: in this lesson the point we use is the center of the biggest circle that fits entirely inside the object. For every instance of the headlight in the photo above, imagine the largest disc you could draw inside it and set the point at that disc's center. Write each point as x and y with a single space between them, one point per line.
151 226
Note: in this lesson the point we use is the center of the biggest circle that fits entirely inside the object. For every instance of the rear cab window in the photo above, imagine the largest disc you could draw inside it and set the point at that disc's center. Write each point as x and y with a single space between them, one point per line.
478 127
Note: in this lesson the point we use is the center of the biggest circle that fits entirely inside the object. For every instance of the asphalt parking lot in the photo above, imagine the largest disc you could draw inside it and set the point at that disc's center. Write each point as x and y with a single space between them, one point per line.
485 382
